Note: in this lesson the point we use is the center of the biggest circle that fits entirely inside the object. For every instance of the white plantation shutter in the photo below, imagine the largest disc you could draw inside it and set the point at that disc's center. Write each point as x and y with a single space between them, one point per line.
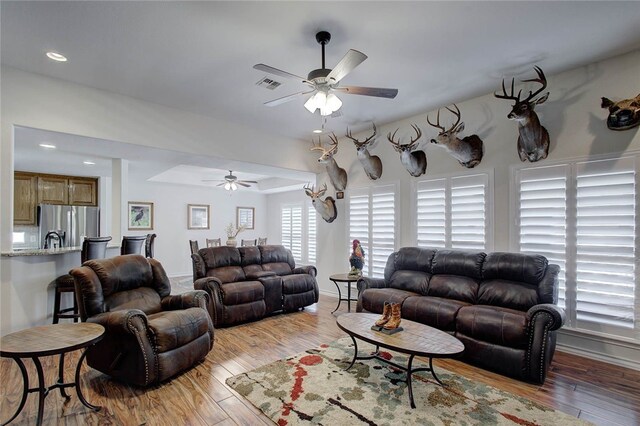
452 212
605 249
285 220
431 213
468 212
359 223
542 208
382 228
296 233
311 234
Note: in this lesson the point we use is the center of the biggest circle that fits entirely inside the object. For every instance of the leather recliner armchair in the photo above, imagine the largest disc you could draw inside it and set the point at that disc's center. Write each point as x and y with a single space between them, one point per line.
150 335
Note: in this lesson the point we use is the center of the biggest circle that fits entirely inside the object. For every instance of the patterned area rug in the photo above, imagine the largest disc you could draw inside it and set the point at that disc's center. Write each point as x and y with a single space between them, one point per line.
313 388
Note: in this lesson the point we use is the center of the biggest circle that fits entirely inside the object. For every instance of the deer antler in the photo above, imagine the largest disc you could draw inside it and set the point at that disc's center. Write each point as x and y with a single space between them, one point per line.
457 114
437 125
541 79
410 145
318 147
334 144
366 141
322 191
309 191
508 96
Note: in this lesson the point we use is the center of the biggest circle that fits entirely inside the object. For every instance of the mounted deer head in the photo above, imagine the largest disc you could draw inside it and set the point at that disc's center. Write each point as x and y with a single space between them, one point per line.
337 175
415 161
371 163
327 208
624 114
533 142
468 150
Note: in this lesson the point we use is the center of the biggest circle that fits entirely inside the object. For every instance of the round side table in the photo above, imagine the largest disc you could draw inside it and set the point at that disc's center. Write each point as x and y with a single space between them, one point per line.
344 278
47 340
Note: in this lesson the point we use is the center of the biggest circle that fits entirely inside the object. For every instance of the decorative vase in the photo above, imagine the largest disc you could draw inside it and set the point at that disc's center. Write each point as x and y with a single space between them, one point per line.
231 242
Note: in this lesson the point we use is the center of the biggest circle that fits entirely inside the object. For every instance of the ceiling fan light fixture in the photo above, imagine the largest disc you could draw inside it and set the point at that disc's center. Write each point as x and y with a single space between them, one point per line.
234 186
327 103
227 186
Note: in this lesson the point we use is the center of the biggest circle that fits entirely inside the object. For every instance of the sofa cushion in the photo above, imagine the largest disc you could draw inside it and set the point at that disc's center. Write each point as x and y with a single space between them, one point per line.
227 274
144 298
432 311
121 273
528 268
280 268
250 255
217 257
508 294
414 281
297 283
457 262
373 298
502 326
410 259
237 293
454 287
172 329
276 254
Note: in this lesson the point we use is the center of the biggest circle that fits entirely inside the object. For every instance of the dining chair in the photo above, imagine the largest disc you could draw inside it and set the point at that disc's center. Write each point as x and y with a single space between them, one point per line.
193 244
214 242
262 241
245 243
133 244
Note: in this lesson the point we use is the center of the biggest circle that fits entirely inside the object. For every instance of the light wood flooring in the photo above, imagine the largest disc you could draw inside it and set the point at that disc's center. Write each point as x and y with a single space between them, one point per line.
595 391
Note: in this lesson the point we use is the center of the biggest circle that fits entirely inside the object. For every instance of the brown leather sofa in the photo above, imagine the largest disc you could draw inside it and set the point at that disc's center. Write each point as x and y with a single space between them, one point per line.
502 306
248 283
150 335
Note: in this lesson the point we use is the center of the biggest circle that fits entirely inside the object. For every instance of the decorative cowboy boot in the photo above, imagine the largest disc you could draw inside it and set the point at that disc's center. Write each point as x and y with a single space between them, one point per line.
386 315
394 322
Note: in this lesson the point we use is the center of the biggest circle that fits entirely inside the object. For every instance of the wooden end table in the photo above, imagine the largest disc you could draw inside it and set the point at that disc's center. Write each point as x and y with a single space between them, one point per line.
415 340
344 278
49 340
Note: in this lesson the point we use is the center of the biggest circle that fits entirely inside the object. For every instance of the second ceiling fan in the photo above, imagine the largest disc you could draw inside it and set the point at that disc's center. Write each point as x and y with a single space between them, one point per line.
324 82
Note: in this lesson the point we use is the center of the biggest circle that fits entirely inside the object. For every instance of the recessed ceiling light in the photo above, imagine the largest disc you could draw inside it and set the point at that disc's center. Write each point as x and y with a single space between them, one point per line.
317 131
56 56
88 163
47 146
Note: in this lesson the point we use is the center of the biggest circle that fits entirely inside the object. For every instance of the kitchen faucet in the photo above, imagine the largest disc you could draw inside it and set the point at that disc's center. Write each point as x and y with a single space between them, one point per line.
53 235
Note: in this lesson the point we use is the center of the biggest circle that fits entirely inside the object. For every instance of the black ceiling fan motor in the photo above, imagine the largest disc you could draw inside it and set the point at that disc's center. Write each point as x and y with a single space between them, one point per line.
323 38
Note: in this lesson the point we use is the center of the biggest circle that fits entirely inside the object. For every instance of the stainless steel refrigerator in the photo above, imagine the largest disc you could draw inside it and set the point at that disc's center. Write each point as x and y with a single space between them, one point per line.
66 226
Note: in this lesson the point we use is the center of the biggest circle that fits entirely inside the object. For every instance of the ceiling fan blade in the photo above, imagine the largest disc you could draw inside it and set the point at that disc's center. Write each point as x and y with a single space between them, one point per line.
221 184
248 181
286 98
368 91
276 71
242 184
211 180
352 59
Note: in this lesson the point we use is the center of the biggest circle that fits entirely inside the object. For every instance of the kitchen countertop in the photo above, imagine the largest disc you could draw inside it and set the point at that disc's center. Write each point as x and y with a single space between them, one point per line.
45 252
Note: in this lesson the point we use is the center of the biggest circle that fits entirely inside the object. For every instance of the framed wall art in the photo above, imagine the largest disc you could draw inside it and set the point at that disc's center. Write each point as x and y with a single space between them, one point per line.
198 216
245 216
140 215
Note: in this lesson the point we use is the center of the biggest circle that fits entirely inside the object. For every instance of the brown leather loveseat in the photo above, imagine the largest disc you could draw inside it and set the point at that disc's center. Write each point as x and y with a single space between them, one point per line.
502 306
150 335
248 283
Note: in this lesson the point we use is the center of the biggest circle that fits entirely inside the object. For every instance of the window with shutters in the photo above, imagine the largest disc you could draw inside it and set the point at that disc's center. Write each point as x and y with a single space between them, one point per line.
582 216
453 212
372 221
298 232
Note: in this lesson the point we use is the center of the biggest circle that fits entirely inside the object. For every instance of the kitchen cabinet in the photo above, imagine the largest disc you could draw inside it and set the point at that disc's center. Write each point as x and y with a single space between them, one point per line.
24 198
31 189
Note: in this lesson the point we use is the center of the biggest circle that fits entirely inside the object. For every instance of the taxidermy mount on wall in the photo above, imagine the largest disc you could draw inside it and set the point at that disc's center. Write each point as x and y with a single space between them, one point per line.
533 142
624 114
327 208
371 163
337 175
415 161
468 150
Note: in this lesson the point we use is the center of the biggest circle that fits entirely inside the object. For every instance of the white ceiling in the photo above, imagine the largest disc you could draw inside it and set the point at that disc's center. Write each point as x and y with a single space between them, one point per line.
198 56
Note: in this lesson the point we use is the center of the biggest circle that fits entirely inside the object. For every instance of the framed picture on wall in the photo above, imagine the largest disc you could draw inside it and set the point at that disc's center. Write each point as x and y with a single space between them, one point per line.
140 215
198 216
245 217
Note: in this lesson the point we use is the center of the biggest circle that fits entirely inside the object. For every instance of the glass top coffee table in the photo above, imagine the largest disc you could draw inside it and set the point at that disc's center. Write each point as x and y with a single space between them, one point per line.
415 340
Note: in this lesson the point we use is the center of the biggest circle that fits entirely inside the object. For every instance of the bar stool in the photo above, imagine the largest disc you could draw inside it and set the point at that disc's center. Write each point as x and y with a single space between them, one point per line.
133 245
92 248
148 245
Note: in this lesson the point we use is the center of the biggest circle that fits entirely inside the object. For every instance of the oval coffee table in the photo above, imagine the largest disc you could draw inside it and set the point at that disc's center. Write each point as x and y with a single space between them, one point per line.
415 340
49 340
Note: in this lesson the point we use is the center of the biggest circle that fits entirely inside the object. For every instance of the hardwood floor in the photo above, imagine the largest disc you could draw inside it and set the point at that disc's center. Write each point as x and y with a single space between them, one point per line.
594 391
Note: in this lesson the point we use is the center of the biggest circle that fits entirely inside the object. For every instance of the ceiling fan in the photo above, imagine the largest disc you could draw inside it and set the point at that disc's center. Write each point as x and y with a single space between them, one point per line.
231 182
324 82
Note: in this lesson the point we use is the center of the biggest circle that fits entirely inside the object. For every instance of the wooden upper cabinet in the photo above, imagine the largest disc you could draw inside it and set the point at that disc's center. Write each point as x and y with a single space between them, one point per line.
83 192
25 198
53 190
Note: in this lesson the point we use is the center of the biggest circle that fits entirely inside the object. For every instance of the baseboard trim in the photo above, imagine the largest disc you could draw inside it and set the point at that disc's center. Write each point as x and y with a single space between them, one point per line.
608 358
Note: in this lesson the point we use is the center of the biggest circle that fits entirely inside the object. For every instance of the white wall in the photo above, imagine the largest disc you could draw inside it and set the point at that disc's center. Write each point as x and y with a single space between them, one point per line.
170 222
577 128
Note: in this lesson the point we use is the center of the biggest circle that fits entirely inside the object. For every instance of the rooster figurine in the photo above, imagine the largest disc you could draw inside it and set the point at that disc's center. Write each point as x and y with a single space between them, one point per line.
356 260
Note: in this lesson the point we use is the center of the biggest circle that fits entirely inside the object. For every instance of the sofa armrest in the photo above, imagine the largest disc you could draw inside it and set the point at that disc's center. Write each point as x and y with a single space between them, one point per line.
542 320
130 321
190 299
307 269
365 283
199 268
212 286
260 274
